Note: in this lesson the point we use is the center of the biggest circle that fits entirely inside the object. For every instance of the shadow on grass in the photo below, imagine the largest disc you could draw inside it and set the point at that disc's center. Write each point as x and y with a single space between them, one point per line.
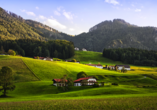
3 96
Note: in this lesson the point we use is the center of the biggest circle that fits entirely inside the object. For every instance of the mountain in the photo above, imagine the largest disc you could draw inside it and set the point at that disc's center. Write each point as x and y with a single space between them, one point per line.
14 27
117 34
108 34
48 32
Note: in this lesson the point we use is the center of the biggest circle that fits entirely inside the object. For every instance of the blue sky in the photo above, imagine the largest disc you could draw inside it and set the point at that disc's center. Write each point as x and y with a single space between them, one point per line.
76 16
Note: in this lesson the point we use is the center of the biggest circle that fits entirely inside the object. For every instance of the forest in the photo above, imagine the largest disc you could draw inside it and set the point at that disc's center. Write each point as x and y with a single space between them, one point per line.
132 56
31 47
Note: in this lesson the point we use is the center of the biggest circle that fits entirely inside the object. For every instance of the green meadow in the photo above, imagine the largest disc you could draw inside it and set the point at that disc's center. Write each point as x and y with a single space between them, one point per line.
137 89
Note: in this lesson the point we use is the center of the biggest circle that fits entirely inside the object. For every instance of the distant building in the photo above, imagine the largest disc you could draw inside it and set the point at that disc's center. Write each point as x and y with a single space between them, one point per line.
76 48
119 67
96 65
58 82
43 58
89 81
84 49
48 59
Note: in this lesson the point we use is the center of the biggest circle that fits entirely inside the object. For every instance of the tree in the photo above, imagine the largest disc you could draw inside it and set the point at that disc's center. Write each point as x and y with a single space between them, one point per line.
73 60
55 54
70 82
6 80
81 75
123 70
11 52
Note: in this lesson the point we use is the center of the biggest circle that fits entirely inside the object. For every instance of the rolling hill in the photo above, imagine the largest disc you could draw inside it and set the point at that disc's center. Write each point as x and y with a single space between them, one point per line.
35 82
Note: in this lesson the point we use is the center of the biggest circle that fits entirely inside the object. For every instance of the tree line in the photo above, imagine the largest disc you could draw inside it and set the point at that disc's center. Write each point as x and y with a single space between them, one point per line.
31 47
132 56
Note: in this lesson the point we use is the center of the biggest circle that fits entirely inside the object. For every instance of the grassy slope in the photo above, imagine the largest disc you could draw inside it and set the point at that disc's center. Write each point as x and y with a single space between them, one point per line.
43 90
87 57
20 70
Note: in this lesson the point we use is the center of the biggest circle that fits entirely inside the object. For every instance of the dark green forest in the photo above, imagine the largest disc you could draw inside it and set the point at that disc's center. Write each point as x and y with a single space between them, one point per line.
117 34
31 47
132 56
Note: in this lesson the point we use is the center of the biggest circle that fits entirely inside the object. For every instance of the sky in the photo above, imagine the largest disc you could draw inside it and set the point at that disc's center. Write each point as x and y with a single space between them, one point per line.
76 16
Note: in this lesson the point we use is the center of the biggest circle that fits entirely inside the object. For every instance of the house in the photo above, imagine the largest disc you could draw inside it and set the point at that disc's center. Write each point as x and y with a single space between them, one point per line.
40 58
112 67
96 65
76 48
84 49
87 81
72 61
48 59
119 67
58 82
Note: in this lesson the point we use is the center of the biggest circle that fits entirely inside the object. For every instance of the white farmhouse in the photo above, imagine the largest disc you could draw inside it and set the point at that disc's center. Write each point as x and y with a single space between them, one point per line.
119 67
84 49
96 65
76 48
89 80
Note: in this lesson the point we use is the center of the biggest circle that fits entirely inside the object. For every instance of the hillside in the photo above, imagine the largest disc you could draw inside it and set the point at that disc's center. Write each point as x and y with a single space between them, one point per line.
35 76
48 32
14 27
117 34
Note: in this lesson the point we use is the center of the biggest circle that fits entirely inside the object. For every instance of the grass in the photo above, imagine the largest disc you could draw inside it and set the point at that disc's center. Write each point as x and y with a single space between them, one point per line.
135 87
87 57
20 70
135 103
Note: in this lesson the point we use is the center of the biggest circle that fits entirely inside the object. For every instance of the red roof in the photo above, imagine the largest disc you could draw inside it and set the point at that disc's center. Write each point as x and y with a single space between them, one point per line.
58 80
80 79
39 57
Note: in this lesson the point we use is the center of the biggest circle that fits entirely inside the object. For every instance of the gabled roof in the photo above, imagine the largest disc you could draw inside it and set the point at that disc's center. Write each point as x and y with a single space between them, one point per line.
126 66
59 80
80 79
39 57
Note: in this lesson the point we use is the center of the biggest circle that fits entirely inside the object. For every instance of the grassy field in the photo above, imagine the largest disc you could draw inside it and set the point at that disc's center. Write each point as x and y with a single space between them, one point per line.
87 57
34 89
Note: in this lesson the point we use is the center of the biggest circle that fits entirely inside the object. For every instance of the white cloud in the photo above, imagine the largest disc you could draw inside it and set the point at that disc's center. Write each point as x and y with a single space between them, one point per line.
42 17
28 13
114 2
23 10
57 13
37 8
59 8
54 23
138 10
71 29
68 15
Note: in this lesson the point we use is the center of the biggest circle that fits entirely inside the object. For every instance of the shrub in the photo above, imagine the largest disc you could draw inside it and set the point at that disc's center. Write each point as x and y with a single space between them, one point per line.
96 85
73 60
116 84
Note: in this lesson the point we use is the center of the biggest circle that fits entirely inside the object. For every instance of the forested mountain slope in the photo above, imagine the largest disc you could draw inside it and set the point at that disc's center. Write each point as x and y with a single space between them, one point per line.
14 27
117 34
107 34
48 32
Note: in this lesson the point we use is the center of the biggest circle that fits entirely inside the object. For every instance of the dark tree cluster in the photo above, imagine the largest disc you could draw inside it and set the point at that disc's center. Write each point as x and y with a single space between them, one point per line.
30 47
132 56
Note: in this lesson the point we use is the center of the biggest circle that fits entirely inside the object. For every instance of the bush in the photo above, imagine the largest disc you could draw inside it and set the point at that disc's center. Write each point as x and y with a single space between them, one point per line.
115 84
96 85
73 60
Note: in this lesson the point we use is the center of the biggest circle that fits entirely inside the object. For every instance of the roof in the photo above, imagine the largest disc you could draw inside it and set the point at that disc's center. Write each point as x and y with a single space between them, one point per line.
39 57
58 80
126 66
94 64
80 79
